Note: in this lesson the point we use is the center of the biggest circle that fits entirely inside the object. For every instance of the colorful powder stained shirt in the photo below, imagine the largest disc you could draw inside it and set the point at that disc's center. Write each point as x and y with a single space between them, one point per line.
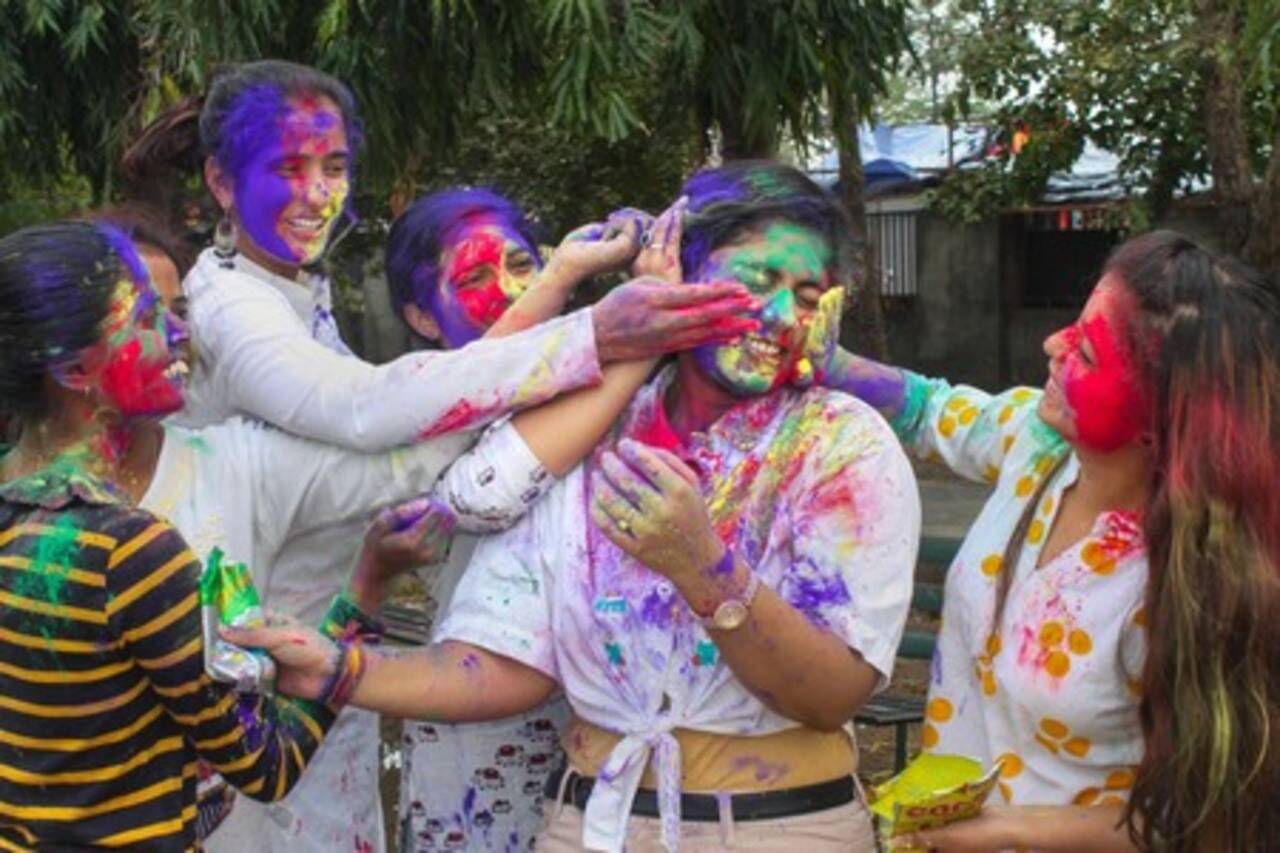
810 489
104 702
295 511
268 347
1052 691
478 786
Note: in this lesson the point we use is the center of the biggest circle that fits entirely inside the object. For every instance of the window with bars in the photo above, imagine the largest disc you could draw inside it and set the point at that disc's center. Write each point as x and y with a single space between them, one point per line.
893 240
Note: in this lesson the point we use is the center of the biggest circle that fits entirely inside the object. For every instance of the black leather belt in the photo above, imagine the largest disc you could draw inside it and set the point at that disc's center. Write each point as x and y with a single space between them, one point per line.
761 805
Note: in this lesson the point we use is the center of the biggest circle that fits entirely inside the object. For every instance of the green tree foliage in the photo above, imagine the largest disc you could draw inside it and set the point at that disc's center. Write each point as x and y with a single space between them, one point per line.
1180 90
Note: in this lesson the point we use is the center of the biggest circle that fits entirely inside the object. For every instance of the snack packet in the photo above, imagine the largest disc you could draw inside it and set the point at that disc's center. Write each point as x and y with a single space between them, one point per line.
228 597
931 791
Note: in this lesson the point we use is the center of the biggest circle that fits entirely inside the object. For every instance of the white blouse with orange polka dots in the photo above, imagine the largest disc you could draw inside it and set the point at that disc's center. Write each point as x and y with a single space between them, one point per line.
1052 692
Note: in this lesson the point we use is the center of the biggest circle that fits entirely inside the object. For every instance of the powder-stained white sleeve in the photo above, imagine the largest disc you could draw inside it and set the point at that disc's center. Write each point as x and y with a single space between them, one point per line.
306 485
968 429
856 530
257 358
494 483
503 602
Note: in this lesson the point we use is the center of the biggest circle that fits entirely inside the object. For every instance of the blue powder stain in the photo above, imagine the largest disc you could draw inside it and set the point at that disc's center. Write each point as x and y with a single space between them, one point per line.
614 652
705 653
810 592
469 802
655 611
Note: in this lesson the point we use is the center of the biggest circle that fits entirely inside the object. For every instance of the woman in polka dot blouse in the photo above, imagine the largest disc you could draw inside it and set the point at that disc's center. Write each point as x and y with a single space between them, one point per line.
1110 622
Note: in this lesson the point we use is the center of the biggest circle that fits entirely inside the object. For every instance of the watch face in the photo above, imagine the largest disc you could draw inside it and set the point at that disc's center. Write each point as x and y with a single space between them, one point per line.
730 615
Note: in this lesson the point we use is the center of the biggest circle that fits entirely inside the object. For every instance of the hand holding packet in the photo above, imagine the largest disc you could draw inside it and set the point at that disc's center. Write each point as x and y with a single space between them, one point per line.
228 597
931 791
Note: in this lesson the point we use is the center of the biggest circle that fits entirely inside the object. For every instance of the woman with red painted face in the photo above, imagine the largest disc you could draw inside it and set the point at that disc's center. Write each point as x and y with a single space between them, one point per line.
457 261
280 141
1111 621
107 704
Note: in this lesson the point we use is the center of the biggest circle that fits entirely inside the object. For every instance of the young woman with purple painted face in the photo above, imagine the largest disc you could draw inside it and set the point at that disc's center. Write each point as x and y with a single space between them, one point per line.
280 139
1112 620
717 588
457 262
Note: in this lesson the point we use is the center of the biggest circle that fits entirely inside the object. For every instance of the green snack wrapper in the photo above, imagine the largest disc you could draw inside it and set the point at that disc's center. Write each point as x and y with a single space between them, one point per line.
228 597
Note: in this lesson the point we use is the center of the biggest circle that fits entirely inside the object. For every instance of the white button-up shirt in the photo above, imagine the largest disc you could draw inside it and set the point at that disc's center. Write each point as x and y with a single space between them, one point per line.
1053 690
809 488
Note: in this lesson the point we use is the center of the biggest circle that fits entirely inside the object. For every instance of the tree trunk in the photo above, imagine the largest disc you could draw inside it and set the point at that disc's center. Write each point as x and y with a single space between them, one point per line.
863 328
1263 248
1226 124
738 142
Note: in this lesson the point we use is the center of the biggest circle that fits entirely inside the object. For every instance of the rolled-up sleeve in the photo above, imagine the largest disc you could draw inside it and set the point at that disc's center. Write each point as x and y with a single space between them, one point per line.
492 485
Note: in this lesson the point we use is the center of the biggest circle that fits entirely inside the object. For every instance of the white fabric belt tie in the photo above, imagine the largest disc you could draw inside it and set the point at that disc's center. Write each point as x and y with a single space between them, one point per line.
609 807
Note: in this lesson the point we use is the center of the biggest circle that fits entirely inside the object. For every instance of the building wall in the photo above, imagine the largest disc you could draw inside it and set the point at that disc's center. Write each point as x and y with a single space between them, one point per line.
951 327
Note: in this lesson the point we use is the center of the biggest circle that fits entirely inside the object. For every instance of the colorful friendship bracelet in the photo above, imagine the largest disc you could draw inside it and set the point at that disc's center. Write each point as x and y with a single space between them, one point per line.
347 674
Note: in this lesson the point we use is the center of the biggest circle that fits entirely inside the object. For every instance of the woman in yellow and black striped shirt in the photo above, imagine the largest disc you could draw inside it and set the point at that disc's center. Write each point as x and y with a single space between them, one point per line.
104 702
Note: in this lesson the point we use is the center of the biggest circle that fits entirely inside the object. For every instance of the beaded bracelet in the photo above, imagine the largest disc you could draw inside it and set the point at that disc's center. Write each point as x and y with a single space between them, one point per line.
347 673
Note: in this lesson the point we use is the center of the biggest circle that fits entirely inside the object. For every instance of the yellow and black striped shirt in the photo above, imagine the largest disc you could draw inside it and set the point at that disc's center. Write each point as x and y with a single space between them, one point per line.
104 703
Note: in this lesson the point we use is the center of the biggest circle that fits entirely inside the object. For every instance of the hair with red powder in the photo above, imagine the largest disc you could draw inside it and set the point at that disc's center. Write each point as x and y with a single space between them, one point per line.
1207 338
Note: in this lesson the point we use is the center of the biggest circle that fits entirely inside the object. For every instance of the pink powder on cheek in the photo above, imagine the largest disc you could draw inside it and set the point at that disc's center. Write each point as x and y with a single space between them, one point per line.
484 304
136 384
1108 403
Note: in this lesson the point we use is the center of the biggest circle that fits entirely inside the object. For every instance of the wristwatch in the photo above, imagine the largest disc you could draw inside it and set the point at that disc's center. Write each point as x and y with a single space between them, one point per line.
732 612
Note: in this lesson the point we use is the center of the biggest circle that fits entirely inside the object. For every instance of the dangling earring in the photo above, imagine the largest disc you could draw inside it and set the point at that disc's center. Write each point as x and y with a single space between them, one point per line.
224 238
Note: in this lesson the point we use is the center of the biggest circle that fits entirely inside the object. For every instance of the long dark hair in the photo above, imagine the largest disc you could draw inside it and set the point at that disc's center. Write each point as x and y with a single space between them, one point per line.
56 283
1210 706
1207 342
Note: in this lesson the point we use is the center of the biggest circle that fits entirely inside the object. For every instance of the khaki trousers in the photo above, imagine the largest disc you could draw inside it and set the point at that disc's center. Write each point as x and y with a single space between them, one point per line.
846 828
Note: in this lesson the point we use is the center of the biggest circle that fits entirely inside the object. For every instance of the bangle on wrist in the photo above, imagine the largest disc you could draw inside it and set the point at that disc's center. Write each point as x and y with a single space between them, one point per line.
349 669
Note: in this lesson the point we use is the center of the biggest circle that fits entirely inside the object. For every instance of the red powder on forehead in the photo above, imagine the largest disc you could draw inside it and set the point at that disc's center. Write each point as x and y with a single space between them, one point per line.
1107 398
477 250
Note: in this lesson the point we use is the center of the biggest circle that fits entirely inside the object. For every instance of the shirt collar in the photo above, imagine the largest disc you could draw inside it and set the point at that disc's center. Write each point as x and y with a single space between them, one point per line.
57 485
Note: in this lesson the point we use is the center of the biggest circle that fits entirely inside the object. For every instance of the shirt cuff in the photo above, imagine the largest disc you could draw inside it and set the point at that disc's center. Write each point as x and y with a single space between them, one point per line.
491 486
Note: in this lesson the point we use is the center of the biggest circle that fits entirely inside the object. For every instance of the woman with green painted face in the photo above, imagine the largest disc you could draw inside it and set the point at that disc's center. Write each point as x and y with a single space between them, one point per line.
717 588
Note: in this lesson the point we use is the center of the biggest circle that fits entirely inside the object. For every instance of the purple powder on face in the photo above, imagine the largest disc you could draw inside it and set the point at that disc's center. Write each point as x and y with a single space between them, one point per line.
252 124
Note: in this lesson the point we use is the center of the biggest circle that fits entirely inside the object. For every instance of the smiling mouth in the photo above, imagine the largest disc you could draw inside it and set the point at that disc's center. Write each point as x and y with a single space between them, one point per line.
762 347
177 371
311 226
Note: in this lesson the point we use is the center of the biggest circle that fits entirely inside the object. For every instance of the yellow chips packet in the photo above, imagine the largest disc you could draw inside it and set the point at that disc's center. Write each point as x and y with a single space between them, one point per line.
931 791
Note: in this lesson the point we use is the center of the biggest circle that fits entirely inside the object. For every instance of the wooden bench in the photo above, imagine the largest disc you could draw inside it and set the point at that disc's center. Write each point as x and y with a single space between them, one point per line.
896 709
